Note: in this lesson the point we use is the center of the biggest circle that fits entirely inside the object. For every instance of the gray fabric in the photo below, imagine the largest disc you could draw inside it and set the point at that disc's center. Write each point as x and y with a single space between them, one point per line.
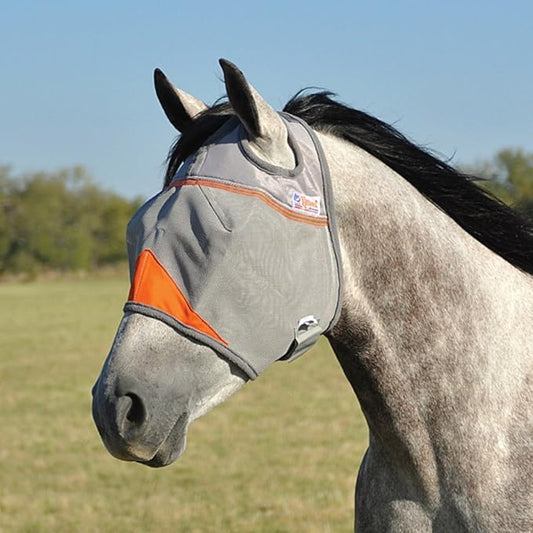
252 272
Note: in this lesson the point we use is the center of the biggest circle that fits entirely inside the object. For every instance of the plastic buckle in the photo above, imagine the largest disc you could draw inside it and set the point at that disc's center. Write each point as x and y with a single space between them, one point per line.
305 336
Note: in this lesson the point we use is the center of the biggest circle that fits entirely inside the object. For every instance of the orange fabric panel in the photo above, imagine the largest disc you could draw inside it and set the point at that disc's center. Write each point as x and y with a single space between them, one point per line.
152 285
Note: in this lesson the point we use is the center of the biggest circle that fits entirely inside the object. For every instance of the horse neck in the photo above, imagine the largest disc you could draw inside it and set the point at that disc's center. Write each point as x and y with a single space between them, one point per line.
425 310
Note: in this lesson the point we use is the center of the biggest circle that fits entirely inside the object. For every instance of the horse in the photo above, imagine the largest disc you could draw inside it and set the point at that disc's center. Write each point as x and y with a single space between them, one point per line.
419 278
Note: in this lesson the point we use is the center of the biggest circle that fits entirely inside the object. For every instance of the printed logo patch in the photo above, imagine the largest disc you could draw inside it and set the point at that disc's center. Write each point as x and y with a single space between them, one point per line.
309 204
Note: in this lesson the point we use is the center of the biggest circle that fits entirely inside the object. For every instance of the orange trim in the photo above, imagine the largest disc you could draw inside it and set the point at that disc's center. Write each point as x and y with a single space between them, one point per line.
152 285
285 211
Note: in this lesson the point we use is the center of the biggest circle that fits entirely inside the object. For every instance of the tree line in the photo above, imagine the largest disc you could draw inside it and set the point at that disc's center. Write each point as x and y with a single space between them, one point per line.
63 221
60 221
509 176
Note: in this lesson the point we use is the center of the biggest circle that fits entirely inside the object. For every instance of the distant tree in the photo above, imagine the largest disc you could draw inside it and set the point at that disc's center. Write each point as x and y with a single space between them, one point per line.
60 221
509 176
5 211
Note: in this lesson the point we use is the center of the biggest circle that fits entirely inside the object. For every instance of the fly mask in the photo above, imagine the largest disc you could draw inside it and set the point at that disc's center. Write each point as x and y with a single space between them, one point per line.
240 255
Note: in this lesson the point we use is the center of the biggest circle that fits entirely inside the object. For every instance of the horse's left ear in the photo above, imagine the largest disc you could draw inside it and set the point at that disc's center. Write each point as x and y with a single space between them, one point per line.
179 106
266 130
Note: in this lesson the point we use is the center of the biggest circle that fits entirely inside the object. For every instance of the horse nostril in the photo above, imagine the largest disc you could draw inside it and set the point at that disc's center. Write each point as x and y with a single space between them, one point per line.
136 413
131 414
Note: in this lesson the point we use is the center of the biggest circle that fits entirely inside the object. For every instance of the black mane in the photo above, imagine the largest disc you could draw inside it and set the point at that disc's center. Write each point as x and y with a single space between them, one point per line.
479 213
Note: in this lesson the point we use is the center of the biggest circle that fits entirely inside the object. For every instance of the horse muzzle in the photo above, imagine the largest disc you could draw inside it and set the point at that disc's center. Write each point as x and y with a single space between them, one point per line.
129 427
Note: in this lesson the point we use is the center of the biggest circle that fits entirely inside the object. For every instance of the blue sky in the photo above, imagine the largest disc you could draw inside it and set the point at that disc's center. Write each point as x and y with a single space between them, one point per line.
455 76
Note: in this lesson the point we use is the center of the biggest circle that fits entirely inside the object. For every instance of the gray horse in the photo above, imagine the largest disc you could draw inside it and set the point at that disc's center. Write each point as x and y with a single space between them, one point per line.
434 330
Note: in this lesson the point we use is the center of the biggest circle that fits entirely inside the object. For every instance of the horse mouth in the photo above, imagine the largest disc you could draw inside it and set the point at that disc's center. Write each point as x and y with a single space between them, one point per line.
172 446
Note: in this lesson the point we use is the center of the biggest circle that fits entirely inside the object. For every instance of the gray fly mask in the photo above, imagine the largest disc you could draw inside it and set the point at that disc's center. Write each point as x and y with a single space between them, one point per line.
240 255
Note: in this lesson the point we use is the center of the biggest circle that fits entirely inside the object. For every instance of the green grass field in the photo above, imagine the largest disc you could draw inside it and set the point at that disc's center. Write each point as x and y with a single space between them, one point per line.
280 456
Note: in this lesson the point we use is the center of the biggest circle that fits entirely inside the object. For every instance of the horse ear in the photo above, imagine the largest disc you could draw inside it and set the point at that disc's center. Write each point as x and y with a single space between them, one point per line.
265 128
179 106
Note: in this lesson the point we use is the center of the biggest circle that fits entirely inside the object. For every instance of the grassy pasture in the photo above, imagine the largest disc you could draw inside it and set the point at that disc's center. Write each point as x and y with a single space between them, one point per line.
280 456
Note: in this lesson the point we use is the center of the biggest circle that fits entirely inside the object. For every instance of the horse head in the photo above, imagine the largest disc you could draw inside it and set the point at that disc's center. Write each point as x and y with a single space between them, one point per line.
216 262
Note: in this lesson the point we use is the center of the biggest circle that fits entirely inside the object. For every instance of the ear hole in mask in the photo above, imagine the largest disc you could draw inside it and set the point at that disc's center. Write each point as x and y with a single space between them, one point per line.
245 146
